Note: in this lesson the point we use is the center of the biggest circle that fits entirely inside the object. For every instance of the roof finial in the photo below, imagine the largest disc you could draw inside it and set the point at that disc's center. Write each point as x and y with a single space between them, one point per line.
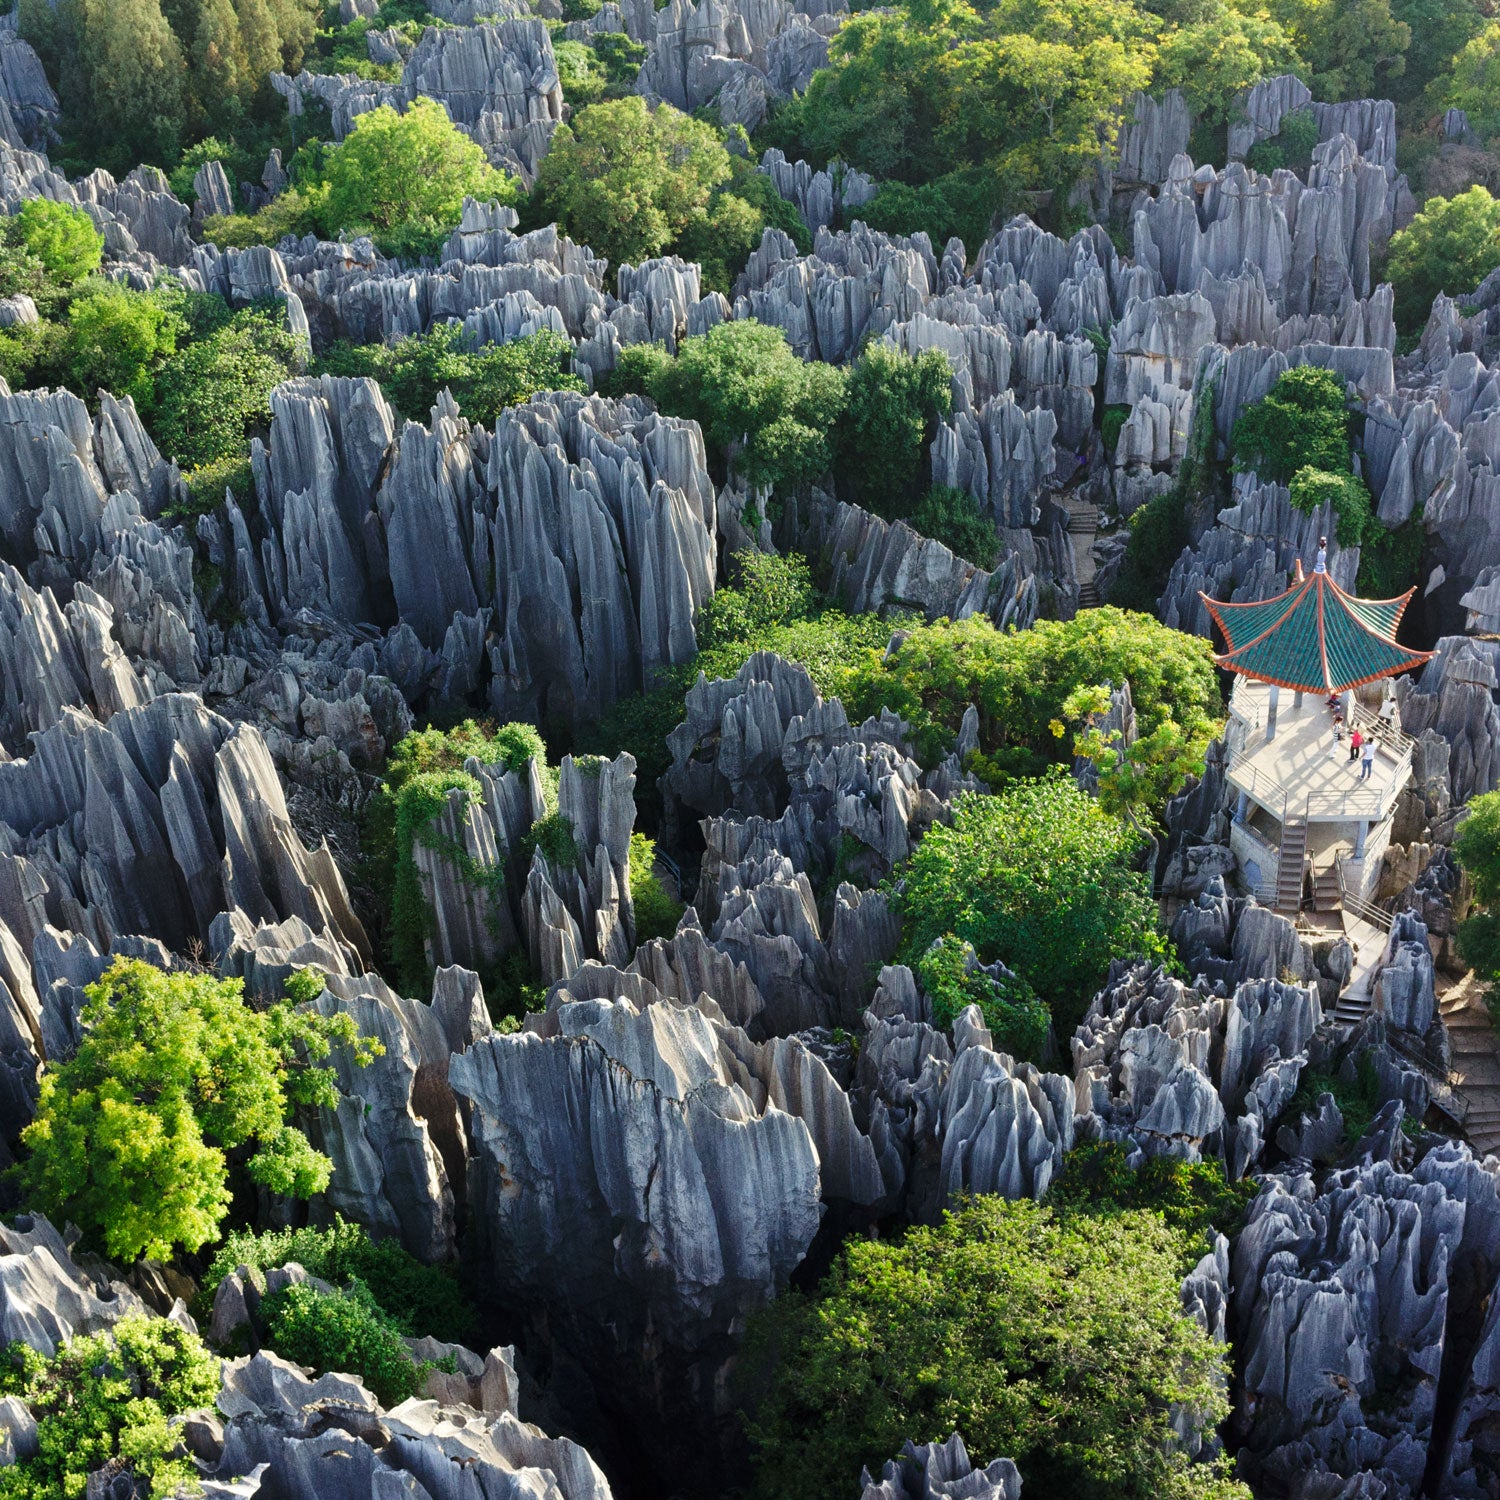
1299 576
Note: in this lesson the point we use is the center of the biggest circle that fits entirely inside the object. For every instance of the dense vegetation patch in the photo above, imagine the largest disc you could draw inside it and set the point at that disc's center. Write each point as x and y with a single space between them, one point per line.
1451 246
133 1134
1056 1340
1038 876
107 1399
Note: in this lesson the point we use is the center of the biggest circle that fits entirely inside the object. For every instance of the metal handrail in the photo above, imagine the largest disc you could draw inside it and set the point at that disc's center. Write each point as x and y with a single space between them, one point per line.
1367 910
1452 1101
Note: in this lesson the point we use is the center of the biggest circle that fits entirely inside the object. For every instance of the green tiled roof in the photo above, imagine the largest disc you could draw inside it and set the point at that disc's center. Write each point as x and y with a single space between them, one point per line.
1314 638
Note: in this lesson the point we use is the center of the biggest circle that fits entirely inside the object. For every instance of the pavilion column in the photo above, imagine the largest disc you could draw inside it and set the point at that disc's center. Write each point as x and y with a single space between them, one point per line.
1361 828
1297 702
1348 706
1242 808
1271 713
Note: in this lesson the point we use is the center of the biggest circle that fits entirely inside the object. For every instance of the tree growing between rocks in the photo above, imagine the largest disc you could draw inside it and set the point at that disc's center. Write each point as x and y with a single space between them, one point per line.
1059 1342
134 1133
1041 878
1451 246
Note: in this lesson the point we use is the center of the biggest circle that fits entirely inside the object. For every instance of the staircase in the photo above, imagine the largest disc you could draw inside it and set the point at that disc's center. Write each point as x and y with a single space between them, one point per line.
1327 891
1358 996
1289 866
1083 526
1474 1062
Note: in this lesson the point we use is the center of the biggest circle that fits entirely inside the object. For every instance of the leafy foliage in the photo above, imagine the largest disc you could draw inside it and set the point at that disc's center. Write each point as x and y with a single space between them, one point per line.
1020 682
107 1399
61 237
344 1331
404 177
1195 1199
766 589
419 1300
1039 877
132 1133
954 518
1017 1020
424 767
892 405
1311 489
1021 91
765 413
1451 246
1057 1340
1220 52
212 395
656 913
1301 423
117 339
626 179
1350 49
483 381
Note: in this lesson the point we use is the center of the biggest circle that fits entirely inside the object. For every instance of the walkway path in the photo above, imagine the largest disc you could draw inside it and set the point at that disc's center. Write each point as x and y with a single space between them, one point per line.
1083 527
1475 1063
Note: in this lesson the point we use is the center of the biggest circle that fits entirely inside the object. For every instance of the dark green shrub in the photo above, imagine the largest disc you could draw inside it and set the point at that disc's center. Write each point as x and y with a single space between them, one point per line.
1038 877
1058 1340
1302 422
1016 1019
955 518
345 1332
1195 1199
419 1300
1110 425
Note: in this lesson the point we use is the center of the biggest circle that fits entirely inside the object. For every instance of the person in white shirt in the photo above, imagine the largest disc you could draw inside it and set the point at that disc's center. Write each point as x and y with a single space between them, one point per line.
1367 758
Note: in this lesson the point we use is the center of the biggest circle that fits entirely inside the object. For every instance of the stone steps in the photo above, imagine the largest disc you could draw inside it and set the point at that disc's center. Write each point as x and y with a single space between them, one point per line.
1475 1061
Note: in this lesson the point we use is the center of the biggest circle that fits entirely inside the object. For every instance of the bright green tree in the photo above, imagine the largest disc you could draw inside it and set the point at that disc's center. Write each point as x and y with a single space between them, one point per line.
1038 876
1477 847
132 1133
213 394
1020 682
1057 1341
106 1400
1228 50
1311 489
1302 422
61 237
1474 86
954 518
1350 49
626 179
893 405
1451 246
762 408
1024 90
407 173
116 340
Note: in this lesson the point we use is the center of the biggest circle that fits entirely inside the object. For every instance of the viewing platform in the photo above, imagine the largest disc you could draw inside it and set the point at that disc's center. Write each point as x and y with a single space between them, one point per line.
1311 822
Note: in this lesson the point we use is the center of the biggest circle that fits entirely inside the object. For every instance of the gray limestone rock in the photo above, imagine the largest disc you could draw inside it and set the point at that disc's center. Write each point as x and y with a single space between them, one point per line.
938 1471
45 1297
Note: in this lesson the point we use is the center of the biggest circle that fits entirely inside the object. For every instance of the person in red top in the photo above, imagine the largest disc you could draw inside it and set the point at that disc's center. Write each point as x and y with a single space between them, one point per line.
1355 741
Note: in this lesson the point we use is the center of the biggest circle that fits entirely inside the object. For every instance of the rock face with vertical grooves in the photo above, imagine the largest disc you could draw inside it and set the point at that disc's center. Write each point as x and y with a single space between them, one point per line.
1347 1293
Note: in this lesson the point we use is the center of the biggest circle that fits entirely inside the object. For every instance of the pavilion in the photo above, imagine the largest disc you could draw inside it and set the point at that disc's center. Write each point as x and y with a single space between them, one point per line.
1302 808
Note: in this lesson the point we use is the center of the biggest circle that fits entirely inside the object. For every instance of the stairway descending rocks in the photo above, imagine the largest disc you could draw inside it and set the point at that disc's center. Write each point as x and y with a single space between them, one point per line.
1476 1061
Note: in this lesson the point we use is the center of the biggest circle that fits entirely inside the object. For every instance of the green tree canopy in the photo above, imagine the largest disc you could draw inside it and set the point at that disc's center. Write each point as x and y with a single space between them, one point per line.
1350 49
627 180
132 1133
61 237
1440 30
406 172
106 1399
1038 876
1024 90
761 408
214 393
484 381
893 404
1213 58
1451 246
119 72
1020 682
1059 1342
1301 423
117 339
